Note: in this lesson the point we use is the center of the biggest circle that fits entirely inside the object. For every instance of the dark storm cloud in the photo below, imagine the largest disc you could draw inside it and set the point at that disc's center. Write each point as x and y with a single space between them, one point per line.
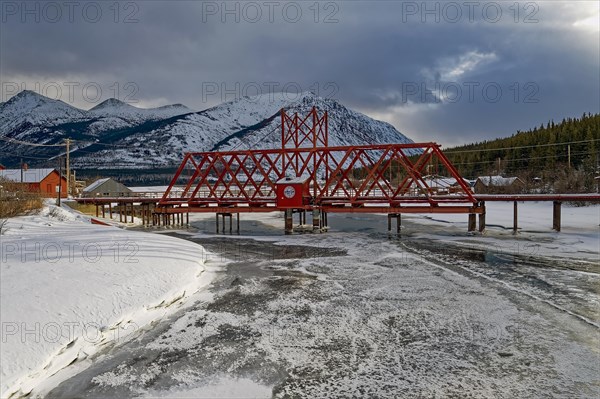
436 79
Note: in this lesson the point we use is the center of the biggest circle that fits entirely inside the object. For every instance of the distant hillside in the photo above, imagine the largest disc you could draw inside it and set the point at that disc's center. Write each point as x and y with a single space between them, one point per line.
534 149
539 153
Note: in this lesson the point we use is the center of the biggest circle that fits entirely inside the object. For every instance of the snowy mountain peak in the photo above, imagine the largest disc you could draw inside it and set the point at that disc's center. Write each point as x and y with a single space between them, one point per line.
308 95
29 100
111 103
28 94
178 105
25 94
31 107
117 108
346 126
175 109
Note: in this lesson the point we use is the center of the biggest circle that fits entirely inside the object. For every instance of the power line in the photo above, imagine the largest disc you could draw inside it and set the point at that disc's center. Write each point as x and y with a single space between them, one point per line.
28 156
89 143
260 139
82 150
516 148
8 139
524 159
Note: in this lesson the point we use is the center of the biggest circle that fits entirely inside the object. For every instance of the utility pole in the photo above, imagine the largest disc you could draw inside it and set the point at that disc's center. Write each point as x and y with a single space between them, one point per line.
59 180
68 144
569 155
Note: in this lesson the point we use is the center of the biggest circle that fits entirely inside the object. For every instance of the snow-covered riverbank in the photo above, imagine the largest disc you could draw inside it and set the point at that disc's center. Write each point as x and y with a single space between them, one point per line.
356 312
69 288
106 283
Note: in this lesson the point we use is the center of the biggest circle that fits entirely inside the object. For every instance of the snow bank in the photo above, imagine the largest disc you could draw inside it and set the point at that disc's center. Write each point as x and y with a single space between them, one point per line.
68 288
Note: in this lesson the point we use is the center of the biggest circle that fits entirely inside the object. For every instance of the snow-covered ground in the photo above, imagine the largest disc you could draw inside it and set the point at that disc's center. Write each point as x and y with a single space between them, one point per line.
579 237
358 313
70 288
350 313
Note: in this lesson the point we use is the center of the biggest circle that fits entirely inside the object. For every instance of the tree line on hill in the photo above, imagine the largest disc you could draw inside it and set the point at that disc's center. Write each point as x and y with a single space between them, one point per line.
557 157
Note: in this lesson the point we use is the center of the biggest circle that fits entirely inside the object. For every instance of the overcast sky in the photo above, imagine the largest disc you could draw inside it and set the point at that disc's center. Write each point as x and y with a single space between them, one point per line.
451 72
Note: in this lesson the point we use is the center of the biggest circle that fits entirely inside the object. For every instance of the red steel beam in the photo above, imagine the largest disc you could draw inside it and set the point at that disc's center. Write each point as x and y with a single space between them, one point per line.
341 200
327 208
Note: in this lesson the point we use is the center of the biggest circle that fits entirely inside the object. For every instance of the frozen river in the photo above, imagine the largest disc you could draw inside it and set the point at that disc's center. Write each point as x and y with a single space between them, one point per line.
357 313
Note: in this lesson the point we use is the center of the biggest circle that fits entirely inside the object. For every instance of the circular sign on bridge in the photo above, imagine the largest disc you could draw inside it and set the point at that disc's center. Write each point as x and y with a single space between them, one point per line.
289 192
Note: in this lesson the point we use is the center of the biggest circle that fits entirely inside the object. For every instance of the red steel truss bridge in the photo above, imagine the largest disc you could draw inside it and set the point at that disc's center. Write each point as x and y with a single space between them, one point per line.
309 174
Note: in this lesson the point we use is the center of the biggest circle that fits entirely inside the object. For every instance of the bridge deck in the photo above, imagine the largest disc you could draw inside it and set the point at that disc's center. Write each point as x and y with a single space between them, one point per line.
373 204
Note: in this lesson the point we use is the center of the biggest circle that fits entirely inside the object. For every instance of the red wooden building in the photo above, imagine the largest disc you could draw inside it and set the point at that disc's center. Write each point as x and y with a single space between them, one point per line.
44 181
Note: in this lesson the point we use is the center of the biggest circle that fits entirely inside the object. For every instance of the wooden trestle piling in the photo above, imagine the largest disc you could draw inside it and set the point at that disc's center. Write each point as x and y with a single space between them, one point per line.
556 215
472 221
152 213
227 215
146 211
515 217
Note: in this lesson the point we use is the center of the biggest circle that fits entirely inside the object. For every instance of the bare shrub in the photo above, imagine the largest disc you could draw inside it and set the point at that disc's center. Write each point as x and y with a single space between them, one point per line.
15 201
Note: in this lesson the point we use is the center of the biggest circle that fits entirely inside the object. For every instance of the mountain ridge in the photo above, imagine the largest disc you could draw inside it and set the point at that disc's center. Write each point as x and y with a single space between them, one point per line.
114 134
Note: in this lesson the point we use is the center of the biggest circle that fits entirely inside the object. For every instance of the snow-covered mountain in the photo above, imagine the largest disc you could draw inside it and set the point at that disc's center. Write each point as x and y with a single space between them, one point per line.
117 135
114 108
346 127
31 109
31 117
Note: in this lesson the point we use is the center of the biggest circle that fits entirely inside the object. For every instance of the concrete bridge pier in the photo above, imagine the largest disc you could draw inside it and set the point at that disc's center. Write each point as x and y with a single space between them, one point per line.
316 218
289 221
398 217
319 220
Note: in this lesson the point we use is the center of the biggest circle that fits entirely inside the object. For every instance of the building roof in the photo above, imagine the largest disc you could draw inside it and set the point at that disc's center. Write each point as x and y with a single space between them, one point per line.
497 181
440 181
95 184
292 180
29 175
